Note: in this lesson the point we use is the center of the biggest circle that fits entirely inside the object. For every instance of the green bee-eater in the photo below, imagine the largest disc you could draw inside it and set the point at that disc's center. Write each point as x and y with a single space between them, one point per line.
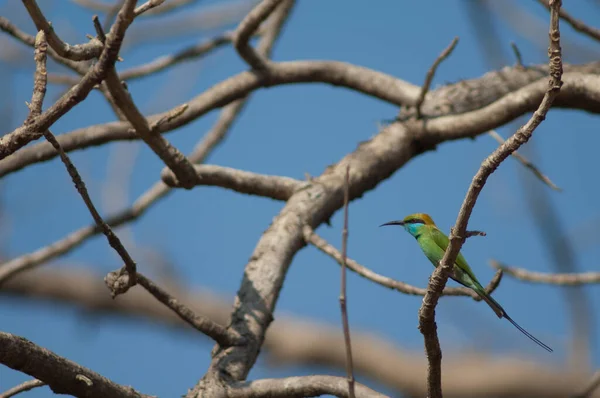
434 243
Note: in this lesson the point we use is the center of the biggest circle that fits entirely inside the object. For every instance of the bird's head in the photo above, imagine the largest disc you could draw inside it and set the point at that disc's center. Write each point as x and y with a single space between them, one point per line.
413 223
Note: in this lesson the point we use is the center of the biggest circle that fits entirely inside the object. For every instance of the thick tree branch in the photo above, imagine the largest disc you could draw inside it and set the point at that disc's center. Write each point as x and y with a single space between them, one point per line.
60 374
581 90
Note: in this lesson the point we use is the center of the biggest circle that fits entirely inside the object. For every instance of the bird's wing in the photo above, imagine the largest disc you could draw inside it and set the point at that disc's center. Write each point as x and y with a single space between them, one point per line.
442 241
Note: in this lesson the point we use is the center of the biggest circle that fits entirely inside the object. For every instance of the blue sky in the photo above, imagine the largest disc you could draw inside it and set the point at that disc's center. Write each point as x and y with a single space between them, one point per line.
209 233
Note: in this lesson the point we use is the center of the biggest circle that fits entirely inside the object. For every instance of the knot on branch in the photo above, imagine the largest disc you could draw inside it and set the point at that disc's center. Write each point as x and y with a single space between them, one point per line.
119 282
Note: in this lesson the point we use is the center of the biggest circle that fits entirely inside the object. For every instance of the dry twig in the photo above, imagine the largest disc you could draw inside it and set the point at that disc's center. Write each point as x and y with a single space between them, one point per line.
431 73
343 299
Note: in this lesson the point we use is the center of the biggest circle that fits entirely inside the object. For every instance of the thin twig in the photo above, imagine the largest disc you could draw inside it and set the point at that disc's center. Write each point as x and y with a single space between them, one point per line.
431 73
469 234
312 238
26 386
113 239
439 277
220 334
150 4
343 298
575 23
525 162
517 53
571 279
99 30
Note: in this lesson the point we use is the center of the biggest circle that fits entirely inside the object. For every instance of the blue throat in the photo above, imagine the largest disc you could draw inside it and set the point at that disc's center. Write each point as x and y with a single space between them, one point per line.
414 229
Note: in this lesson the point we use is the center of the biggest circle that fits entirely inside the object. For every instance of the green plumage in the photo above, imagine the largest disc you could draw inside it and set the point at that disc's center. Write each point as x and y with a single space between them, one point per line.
434 243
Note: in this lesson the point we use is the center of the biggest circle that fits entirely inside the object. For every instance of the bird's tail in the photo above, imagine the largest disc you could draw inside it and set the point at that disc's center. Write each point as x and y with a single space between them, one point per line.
502 314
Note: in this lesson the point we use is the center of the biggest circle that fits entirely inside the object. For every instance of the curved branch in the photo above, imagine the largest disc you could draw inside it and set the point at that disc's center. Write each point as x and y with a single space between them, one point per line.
26 386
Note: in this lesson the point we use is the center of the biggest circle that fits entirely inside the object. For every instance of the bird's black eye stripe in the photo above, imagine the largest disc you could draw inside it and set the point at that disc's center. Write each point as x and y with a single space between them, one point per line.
415 221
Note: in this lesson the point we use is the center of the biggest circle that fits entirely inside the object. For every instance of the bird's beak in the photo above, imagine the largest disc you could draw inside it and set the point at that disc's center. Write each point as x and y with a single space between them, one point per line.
393 223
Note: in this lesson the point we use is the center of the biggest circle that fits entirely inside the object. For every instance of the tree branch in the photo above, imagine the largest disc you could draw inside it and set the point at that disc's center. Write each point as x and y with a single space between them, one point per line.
275 187
457 237
247 27
218 333
26 386
553 279
300 387
78 52
580 91
60 374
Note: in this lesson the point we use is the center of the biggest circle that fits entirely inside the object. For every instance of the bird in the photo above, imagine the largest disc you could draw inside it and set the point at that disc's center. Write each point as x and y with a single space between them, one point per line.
434 243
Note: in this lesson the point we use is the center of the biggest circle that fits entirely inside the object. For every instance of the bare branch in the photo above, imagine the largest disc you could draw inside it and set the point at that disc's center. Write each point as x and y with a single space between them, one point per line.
170 155
223 336
311 237
457 237
525 162
575 23
164 62
78 52
26 386
343 303
275 187
577 279
248 27
304 386
60 374
148 5
431 73
39 78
